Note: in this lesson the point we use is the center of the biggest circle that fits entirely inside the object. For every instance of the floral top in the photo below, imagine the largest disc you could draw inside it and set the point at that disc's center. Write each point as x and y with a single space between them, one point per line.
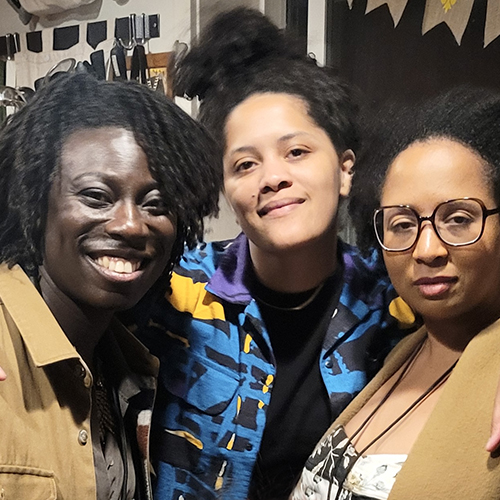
335 471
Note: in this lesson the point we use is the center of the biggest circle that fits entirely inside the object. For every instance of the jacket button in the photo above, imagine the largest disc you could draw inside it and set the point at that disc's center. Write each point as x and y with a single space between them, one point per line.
83 437
87 382
82 374
249 447
329 363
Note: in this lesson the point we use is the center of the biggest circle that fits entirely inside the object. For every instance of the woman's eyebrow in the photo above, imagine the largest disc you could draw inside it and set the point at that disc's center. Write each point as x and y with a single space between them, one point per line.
244 149
284 138
293 135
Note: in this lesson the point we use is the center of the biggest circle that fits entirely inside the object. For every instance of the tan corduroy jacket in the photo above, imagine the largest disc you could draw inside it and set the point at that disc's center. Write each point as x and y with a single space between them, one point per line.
448 460
45 440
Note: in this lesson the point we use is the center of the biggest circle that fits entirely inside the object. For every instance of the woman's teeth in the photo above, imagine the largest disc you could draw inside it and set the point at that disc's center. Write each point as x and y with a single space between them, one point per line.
118 265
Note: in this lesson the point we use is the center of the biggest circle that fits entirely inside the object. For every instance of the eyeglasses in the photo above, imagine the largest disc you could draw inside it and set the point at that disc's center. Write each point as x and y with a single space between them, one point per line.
457 223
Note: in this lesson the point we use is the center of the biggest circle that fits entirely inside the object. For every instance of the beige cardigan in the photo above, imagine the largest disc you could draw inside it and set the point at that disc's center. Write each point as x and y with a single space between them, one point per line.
449 460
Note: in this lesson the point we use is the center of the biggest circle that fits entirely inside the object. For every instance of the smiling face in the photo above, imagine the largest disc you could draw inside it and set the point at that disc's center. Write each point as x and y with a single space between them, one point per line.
108 236
437 280
282 175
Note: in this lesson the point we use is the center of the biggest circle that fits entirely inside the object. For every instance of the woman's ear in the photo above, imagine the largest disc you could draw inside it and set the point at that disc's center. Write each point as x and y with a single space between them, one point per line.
347 161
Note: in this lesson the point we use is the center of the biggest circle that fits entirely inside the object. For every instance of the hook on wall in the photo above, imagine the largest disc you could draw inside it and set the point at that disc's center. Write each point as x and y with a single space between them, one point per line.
136 29
9 45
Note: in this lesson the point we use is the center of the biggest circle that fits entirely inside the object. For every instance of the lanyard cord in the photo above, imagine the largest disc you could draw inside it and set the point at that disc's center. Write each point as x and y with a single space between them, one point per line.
122 442
437 383
111 420
424 395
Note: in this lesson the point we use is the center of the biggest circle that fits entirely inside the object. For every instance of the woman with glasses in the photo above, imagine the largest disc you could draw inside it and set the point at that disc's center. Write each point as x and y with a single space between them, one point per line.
432 192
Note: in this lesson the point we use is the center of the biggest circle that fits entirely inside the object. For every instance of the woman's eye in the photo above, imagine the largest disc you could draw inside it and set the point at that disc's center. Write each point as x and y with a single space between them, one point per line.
297 152
401 225
95 197
156 206
244 165
458 220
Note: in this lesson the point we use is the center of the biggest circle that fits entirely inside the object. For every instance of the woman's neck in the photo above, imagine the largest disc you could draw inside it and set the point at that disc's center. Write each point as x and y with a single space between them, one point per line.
295 270
437 353
84 328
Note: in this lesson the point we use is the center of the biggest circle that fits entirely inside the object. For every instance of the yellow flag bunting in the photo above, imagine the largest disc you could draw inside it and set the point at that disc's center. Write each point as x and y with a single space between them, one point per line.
454 13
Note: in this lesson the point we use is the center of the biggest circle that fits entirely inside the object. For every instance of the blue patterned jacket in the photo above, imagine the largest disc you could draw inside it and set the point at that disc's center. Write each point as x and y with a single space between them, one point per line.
217 369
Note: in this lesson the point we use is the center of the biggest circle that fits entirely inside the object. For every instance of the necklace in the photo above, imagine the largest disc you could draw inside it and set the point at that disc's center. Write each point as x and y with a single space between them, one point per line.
437 383
351 459
298 307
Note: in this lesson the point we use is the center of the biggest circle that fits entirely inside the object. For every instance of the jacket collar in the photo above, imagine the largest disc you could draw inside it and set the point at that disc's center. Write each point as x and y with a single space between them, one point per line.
135 357
364 278
230 278
44 339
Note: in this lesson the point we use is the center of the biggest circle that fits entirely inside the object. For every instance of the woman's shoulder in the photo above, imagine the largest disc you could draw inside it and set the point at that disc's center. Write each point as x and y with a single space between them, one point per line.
206 256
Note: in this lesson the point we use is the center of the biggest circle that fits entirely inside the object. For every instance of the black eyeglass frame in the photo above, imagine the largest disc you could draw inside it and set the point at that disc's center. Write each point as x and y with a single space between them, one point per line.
431 219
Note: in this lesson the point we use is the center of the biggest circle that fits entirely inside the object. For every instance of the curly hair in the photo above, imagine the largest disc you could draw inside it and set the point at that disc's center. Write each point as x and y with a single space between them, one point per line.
241 53
181 156
467 115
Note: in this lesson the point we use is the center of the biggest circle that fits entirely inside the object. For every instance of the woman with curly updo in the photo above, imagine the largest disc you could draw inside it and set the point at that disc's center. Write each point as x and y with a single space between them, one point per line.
264 339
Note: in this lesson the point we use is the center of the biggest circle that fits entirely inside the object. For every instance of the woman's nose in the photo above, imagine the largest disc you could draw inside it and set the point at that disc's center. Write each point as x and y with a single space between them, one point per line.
128 222
275 175
429 246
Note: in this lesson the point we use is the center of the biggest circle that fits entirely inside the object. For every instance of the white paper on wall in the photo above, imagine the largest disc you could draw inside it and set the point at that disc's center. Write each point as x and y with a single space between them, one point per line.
45 7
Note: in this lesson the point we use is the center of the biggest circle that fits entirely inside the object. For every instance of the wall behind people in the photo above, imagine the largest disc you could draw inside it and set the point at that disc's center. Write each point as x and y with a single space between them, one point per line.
179 20
388 62
175 18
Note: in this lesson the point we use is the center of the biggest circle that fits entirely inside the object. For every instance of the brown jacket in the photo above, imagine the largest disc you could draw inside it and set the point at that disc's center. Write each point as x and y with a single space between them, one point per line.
449 460
45 440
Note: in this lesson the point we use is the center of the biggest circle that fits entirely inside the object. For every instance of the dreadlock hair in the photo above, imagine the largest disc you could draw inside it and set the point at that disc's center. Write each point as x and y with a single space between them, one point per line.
181 158
467 115
241 53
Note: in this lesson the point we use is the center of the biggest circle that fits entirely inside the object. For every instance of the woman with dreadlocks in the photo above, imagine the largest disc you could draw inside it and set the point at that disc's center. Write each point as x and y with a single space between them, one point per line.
102 186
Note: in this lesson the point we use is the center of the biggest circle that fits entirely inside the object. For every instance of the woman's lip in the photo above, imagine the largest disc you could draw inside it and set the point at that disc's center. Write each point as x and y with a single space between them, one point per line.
279 204
434 287
434 279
